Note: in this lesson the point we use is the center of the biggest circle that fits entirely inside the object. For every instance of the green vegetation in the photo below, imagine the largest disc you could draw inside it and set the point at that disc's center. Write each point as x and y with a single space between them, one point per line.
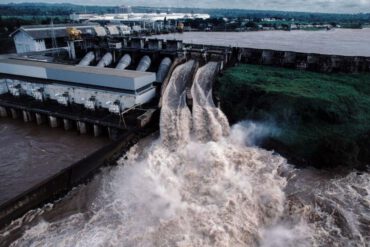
324 118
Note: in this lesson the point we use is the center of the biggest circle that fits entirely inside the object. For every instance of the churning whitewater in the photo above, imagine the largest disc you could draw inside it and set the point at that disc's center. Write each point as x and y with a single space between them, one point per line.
203 184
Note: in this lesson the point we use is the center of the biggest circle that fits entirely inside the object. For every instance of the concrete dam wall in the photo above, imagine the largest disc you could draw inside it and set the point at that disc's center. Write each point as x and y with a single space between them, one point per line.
305 61
291 59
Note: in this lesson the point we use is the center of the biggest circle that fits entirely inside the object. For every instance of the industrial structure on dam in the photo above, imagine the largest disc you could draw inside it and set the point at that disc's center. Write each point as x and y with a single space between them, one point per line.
96 83
99 79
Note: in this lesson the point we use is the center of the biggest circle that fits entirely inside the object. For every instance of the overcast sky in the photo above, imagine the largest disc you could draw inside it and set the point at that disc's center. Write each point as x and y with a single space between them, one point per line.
341 6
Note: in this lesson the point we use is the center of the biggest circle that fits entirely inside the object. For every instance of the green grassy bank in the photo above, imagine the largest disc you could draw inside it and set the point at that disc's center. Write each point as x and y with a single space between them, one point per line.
324 118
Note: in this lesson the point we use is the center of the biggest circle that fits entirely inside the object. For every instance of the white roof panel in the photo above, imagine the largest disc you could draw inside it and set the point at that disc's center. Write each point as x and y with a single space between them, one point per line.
100 31
88 75
113 30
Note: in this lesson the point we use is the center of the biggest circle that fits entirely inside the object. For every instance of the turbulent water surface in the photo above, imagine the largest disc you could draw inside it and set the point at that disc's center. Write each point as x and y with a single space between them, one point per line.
202 183
347 42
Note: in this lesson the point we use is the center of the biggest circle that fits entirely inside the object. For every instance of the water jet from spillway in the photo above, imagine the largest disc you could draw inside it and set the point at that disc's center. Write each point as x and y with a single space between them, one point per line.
209 121
175 122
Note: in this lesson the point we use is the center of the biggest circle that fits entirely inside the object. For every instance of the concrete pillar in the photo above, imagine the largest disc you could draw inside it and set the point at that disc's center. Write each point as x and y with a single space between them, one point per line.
67 124
72 51
313 61
239 56
3 112
40 119
53 122
248 55
289 58
14 113
267 57
27 116
113 133
110 133
145 118
97 130
367 64
82 128
355 65
31 116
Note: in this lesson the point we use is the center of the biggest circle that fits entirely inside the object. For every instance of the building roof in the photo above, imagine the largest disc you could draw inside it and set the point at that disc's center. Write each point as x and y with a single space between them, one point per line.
113 30
82 75
100 31
59 30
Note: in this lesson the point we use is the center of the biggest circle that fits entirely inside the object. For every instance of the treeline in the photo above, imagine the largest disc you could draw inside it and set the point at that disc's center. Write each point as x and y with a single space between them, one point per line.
256 24
299 16
64 9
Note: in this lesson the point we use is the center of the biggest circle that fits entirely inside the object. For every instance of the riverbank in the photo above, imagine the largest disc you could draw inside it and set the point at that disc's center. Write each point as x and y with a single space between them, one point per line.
323 118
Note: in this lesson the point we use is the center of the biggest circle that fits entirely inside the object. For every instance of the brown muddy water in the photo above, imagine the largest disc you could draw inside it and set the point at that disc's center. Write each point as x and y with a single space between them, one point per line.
31 153
347 42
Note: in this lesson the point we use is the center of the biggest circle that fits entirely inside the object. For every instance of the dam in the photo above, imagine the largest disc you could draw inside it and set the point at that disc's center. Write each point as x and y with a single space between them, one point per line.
194 183
173 189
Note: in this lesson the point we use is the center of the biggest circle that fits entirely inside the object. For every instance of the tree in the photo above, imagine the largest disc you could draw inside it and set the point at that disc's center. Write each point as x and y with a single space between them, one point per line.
251 25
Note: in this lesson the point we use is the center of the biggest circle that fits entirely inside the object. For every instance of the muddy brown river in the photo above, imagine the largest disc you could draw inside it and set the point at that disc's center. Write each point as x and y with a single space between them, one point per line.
31 153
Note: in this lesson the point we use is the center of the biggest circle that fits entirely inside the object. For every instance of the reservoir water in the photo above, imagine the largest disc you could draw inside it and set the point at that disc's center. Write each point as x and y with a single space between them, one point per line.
348 42
31 153
203 183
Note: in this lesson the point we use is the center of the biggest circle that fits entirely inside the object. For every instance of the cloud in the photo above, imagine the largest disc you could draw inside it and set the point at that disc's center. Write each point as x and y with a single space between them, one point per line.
340 6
